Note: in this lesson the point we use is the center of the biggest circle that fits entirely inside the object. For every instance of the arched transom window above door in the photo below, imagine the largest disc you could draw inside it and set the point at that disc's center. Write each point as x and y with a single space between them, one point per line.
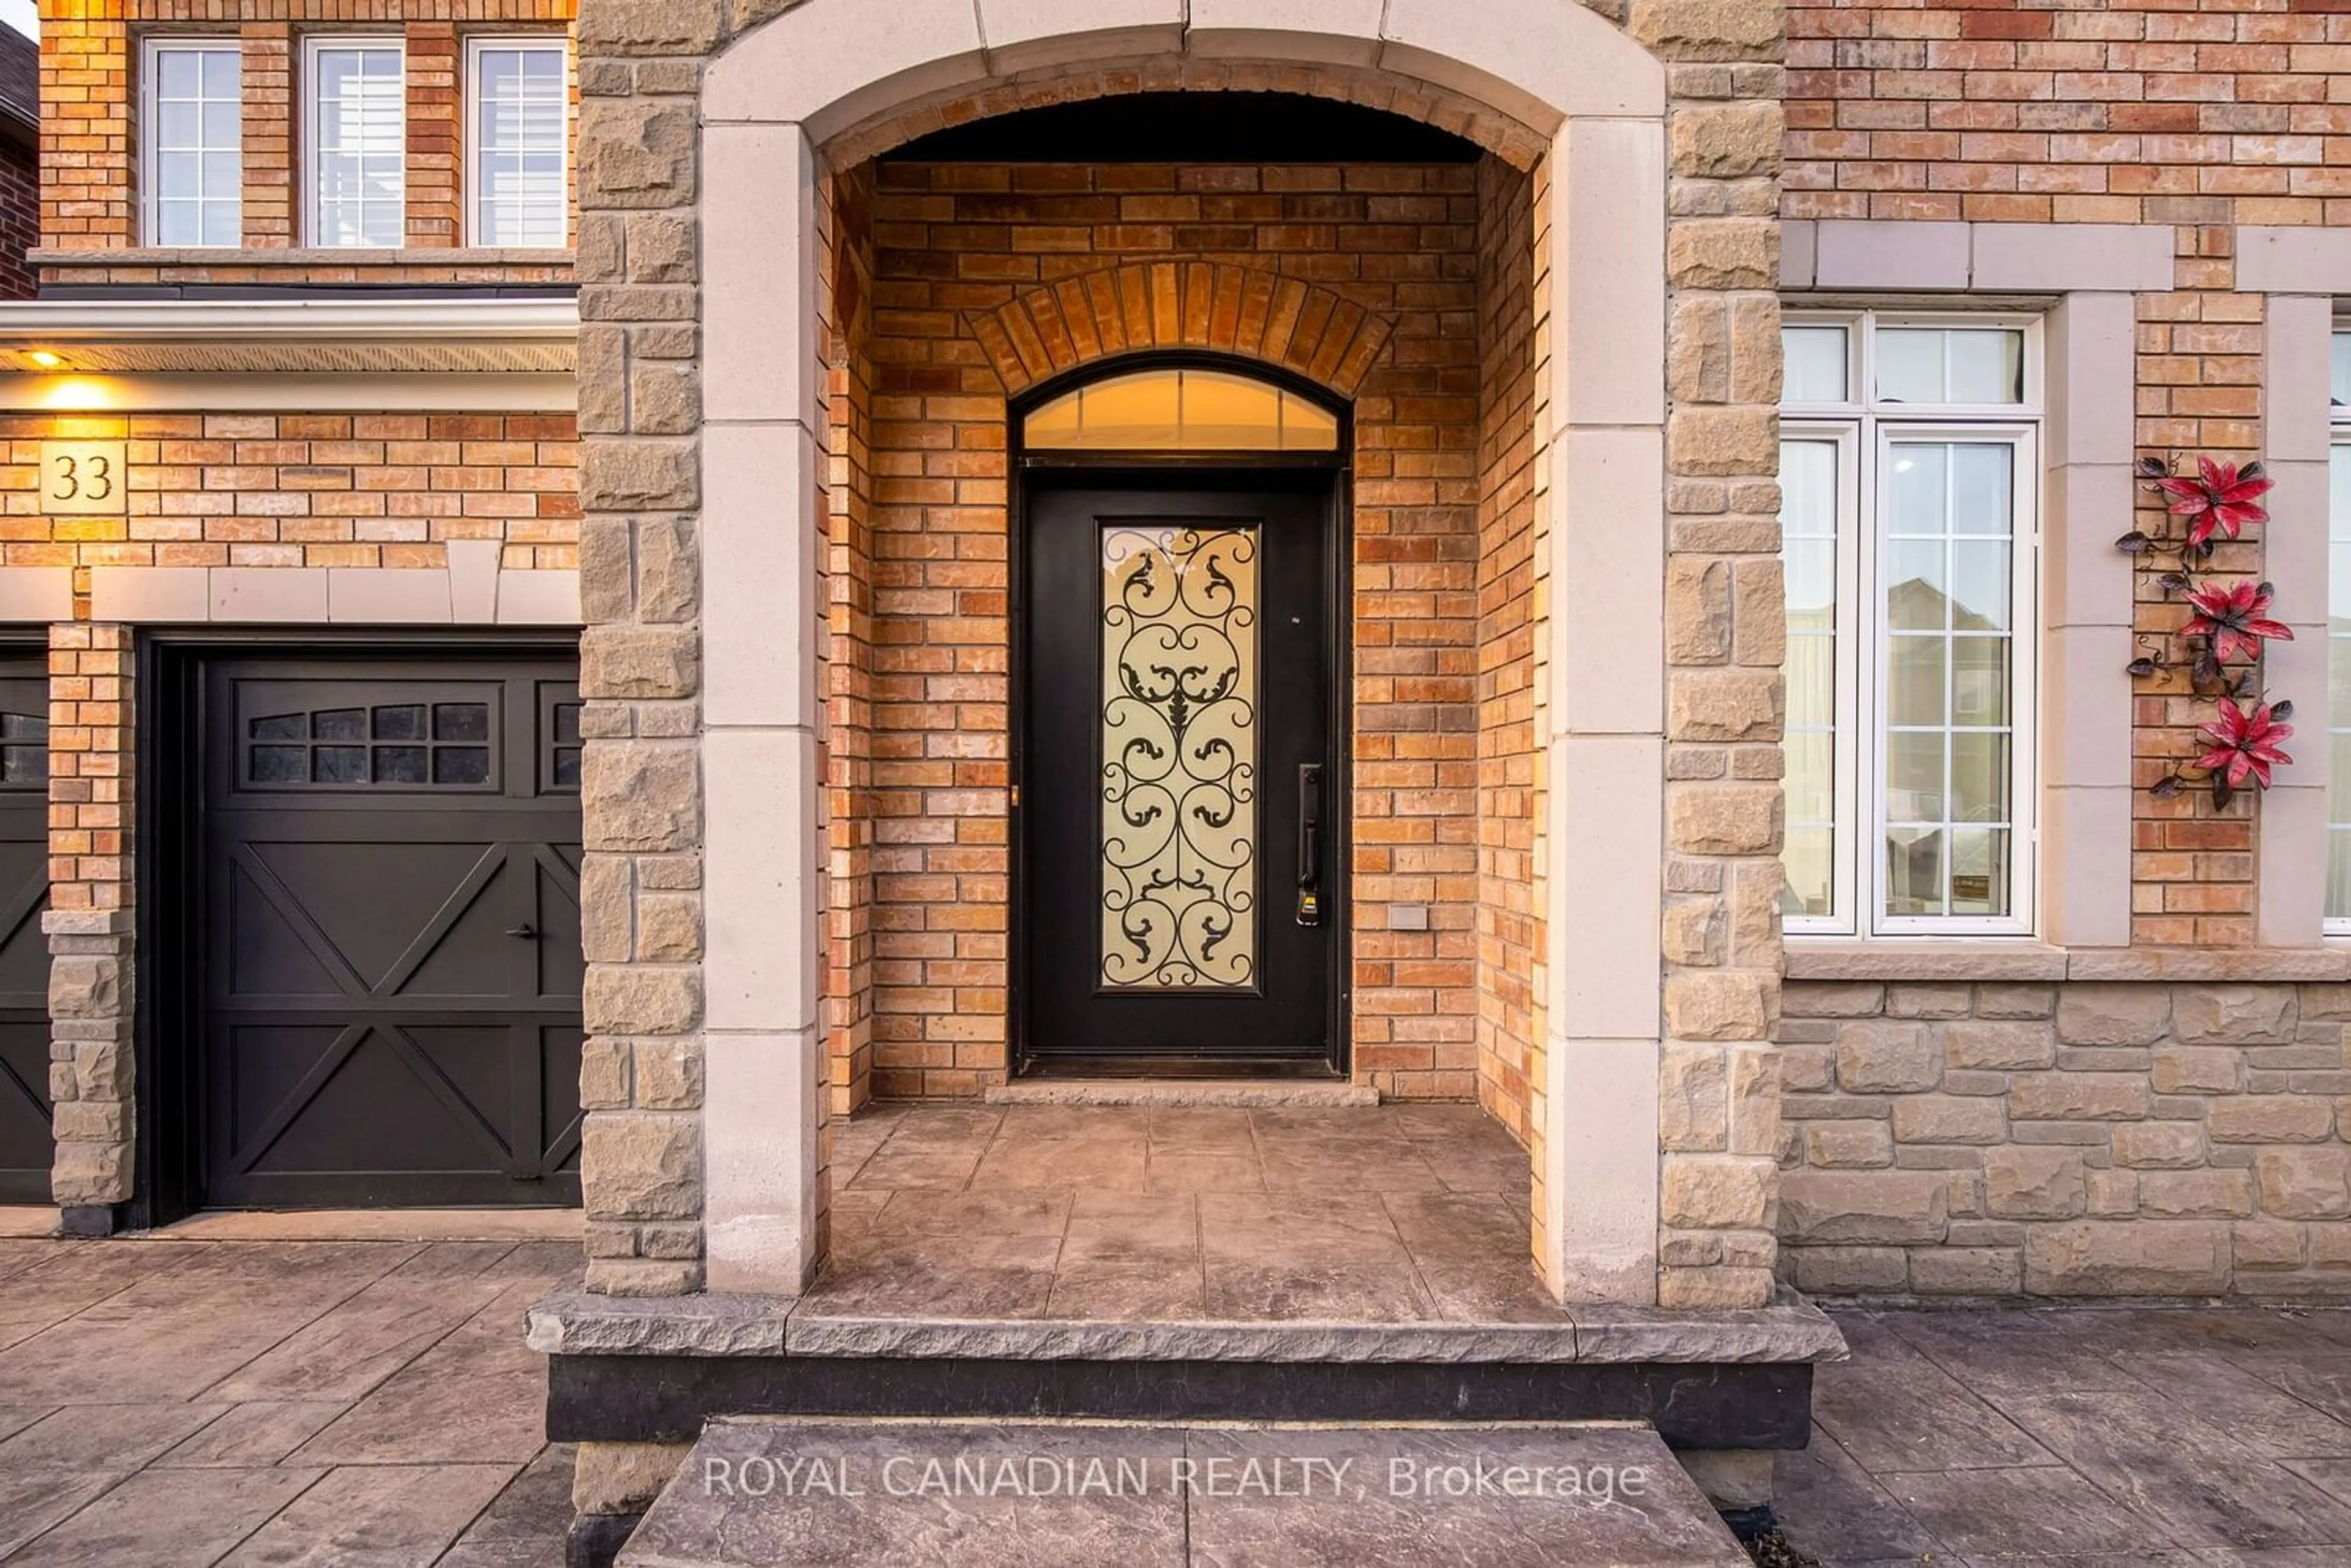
1171 409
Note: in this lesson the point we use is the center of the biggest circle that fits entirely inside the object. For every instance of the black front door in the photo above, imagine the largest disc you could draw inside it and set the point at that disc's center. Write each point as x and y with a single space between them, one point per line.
1179 793
24 951
390 952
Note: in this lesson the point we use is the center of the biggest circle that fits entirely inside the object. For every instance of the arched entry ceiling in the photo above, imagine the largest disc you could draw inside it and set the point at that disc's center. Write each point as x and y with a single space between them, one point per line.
1194 128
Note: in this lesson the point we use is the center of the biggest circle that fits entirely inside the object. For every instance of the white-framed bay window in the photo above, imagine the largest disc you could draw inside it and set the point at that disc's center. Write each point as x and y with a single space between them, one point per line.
1910 476
191 142
2338 642
355 142
517 119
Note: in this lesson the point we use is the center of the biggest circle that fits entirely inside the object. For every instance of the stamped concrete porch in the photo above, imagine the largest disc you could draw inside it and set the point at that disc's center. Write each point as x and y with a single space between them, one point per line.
1130 1213
1169 1263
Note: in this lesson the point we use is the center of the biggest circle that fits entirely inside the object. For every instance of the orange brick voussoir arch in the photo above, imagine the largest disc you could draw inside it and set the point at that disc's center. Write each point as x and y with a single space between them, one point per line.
1285 321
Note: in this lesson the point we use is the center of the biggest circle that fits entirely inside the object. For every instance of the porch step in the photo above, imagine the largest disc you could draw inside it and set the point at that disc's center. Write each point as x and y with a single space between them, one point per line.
1045 1494
1255 1093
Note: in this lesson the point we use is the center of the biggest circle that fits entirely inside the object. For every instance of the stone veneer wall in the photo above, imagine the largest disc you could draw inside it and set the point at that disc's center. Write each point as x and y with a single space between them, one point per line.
89 920
2073 1139
1691 202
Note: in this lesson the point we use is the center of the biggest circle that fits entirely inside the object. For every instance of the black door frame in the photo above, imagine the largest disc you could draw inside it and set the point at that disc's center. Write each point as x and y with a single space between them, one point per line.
167 865
1194 469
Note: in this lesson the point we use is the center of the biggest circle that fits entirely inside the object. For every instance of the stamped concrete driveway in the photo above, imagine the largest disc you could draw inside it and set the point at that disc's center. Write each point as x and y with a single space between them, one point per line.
186 1403
174 1403
2081 1438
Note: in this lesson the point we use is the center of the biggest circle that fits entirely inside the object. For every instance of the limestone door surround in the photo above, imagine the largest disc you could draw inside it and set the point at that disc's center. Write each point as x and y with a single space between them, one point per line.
706 771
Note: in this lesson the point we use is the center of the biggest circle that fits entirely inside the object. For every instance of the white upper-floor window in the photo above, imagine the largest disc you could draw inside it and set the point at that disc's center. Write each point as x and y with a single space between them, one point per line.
193 129
518 109
1910 477
356 145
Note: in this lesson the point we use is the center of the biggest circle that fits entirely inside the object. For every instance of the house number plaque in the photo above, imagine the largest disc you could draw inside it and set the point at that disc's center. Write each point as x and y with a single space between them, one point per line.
82 478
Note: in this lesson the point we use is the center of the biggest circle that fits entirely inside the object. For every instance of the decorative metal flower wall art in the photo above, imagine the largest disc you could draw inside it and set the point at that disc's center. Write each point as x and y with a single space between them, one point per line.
2220 644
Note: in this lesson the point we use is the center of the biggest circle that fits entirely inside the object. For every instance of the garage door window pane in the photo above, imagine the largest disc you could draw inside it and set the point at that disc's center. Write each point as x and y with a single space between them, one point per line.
399 765
563 749
460 721
460 765
339 765
24 750
383 745
404 722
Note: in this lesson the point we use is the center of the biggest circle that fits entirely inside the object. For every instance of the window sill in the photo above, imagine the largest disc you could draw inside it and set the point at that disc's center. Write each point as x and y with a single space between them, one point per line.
306 255
1924 959
1996 959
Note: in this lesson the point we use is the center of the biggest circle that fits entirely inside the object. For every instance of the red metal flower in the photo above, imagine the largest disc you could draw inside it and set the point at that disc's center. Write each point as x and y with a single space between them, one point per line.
2222 495
2236 619
2243 744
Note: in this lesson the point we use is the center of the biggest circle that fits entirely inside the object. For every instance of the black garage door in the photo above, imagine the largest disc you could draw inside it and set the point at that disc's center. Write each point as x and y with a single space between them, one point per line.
390 953
24 952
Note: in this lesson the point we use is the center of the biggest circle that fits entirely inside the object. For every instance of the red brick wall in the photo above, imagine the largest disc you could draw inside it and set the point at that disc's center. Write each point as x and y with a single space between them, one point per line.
20 218
848 656
90 95
260 489
956 239
2200 365
2017 110
1509 921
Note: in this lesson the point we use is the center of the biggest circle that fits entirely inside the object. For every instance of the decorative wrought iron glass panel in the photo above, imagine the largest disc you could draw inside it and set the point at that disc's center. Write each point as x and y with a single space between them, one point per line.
1179 757
24 750
444 745
1181 410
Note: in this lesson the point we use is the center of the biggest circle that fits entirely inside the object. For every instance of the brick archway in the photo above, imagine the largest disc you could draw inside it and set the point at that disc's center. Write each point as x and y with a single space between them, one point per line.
1285 321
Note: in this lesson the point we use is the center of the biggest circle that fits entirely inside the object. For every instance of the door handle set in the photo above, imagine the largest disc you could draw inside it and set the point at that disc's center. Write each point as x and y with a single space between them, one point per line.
1309 843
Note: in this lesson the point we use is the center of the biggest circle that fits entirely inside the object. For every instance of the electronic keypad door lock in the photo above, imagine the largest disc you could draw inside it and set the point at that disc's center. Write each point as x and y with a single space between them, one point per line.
1309 843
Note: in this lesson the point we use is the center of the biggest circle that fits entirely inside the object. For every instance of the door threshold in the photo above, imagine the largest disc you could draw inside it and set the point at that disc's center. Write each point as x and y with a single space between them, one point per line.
1242 1091
377 1224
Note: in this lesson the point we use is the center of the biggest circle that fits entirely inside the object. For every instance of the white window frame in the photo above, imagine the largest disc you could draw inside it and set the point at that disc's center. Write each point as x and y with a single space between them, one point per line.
2339 812
1864 427
1845 792
313 227
469 177
150 218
